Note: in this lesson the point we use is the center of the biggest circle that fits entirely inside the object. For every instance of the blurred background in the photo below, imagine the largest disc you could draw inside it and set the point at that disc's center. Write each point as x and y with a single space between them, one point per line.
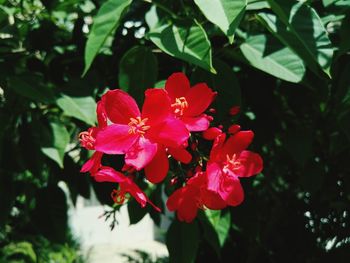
285 64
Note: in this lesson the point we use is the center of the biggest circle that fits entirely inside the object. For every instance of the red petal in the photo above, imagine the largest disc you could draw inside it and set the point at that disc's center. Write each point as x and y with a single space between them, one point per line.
175 199
180 154
177 85
120 106
214 175
200 123
171 133
212 200
158 168
251 164
199 98
141 153
135 191
211 133
216 150
108 174
101 114
238 142
156 106
115 139
233 129
188 211
231 191
93 164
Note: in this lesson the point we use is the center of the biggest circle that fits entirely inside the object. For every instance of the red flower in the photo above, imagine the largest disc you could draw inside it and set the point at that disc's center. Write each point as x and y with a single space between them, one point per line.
87 140
188 104
187 200
228 161
126 185
142 137
211 133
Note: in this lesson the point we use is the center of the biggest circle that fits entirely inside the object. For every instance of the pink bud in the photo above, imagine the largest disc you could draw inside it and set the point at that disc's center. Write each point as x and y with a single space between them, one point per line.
234 129
234 110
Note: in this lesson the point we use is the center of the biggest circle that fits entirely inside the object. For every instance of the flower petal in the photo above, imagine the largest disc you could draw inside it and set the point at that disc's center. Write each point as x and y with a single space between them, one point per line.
199 97
238 142
171 133
180 154
175 199
251 164
141 153
188 210
211 133
200 123
158 168
177 85
156 106
93 164
120 106
215 153
115 139
231 190
214 175
108 174
212 200
101 114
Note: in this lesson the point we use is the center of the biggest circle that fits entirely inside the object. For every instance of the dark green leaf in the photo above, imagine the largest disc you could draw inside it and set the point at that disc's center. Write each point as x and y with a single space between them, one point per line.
209 233
221 223
138 70
182 242
186 42
106 20
136 212
226 14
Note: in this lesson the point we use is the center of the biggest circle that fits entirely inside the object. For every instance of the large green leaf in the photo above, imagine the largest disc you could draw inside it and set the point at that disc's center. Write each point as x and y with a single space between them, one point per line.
225 83
187 42
267 54
309 37
221 223
226 14
106 20
55 142
136 212
182 242
209 232
82 108
138 70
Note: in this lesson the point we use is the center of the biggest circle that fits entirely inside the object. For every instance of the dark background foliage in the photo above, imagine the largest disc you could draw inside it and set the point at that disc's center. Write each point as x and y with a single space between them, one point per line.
287 68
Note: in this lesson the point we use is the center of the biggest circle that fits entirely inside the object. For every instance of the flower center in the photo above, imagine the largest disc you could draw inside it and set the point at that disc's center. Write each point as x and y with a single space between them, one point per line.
118 196
87 140
180 105
232 163
138 126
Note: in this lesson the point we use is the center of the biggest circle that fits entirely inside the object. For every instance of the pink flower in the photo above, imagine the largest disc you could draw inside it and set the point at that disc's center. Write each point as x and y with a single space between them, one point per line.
126 185
228 161
142 137
188 104
87 140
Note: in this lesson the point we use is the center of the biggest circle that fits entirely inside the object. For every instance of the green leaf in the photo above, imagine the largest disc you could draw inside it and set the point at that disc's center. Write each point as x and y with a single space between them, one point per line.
55 143
226 14
136 212
30 86
304 32
81 108
106 20
221 223
225 83
187 42
138 70
182 242
22 251
209 233
267 54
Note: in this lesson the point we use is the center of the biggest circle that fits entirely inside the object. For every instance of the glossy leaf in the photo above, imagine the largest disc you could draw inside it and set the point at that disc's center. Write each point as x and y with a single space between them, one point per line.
138 70
106 20
310 37
187 42
182 241
267 54
55 145
81 108
221 223
226 14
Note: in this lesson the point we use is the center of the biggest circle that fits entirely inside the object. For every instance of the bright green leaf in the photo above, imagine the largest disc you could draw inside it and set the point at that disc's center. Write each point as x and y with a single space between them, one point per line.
182 242
309 41
267 54
188 42
106 20
138 70
226 14
82 108
221 223
55 145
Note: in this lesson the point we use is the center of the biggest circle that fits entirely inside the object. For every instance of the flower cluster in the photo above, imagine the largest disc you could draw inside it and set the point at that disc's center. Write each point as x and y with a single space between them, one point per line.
168 120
